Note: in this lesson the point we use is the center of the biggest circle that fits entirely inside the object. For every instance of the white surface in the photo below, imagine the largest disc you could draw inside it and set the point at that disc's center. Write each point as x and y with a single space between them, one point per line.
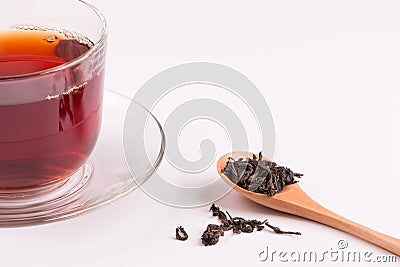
329 71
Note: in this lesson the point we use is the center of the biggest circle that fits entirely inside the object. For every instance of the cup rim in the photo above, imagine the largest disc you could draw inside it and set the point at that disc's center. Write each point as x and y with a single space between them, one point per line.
96 46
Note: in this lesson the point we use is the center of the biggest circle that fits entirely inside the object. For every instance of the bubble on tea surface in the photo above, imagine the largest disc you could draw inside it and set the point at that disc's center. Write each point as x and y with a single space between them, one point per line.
81 39
51 38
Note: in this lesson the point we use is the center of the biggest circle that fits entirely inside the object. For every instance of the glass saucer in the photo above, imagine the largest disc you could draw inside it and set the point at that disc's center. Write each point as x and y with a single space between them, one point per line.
102 180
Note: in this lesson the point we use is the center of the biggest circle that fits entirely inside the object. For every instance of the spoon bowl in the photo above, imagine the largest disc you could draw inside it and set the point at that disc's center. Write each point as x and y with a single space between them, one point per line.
293 200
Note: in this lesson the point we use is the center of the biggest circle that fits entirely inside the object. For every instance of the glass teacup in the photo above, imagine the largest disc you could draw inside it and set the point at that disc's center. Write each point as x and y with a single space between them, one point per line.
52 56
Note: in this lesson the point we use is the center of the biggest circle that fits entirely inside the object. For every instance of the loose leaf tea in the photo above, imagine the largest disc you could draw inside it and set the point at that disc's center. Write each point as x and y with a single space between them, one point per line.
240 225
237 224
181 234
279 231
259 175
211 234
226 224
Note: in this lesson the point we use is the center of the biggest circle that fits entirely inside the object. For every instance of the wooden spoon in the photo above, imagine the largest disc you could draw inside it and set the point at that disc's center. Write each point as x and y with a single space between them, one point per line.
293 200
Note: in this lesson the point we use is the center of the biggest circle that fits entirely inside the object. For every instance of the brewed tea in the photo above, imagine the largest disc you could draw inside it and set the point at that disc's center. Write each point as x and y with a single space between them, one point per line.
45 141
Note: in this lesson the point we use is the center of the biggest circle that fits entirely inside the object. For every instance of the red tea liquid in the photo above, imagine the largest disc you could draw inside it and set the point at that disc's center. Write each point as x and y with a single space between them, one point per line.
45 141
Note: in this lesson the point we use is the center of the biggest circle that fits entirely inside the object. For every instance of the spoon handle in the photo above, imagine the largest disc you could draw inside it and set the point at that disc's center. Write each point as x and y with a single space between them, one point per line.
305 207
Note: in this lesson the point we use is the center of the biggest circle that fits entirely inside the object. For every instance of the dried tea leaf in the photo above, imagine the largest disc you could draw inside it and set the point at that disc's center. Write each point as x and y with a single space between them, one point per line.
237 224
258 175
181 234
211 234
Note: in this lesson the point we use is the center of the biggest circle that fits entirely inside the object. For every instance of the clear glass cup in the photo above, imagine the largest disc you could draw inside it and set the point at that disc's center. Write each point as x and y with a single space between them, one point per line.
50 111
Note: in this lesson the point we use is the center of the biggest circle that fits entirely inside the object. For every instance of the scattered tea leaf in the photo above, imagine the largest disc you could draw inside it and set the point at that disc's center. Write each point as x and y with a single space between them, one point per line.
181 234
279 231
237 224
211 234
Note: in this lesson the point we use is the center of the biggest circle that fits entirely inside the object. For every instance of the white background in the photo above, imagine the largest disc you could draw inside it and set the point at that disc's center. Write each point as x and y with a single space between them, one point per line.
329 71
